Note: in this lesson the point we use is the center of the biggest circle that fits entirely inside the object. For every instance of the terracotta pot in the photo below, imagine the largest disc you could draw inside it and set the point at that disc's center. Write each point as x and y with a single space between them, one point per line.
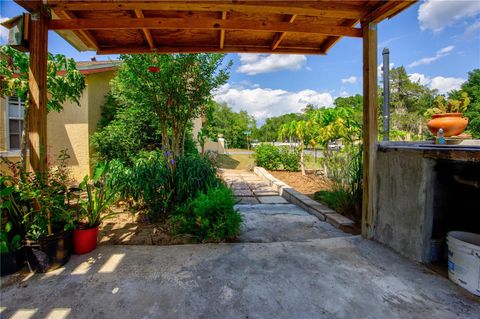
452 124
85 240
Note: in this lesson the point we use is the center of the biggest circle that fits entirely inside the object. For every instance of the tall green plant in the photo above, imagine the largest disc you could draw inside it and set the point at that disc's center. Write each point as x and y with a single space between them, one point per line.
96 207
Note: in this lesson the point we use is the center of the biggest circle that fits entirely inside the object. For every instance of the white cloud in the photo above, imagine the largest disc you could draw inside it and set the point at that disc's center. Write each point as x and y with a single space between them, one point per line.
350 80
419 78
3 31
436 14
267 102
445 85
252 64
439 54
440 83
380 69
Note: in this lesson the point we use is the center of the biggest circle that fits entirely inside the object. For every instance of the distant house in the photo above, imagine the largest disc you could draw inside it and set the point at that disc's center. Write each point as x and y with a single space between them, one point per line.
69 129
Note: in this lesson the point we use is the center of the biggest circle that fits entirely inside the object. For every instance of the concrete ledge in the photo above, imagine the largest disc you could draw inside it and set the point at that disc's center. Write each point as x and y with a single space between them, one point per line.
313 207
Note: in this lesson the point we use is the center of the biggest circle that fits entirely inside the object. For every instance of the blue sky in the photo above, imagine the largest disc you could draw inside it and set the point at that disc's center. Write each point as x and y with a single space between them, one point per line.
437 41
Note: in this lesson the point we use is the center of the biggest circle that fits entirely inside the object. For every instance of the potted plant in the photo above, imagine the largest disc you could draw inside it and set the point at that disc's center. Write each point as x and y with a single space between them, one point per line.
11 249
38 205
11 231
93 210
448 115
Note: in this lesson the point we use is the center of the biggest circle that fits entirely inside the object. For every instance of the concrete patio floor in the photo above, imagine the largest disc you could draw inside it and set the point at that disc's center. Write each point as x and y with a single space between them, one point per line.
344 277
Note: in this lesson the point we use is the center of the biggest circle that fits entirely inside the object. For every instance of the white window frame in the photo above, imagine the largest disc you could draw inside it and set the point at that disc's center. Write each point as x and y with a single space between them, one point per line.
10 151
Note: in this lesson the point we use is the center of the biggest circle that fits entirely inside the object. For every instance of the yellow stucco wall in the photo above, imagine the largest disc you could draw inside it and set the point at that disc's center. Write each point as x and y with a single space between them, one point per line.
71 128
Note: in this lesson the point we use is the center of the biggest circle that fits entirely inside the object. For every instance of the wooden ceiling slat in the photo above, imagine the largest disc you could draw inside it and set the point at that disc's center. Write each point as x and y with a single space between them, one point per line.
146 32
206 24
334 9
279 36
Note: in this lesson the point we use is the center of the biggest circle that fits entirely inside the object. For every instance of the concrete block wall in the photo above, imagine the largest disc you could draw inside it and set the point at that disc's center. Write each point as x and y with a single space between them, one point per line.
404 202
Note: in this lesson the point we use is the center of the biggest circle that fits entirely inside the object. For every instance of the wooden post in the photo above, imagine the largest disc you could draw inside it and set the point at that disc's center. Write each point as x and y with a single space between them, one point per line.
369 126
37 83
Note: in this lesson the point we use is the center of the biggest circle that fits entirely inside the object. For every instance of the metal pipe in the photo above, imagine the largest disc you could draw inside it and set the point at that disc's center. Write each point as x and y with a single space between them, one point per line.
386 94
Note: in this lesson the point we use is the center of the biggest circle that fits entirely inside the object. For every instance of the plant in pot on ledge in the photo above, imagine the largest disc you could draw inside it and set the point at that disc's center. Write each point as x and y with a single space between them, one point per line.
448 115
93 210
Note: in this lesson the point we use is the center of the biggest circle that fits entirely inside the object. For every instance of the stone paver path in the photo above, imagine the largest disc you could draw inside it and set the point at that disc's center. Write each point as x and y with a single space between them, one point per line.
268 217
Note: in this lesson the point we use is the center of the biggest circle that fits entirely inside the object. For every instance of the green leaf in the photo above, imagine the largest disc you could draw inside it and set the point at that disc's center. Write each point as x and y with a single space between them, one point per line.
3 247
7 191
8 227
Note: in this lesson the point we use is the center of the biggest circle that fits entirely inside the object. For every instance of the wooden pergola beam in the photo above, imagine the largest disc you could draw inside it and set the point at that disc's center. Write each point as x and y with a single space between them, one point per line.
210 49
279 36
222 32
311 8
388 10
146 32
369 126
202 24
37 86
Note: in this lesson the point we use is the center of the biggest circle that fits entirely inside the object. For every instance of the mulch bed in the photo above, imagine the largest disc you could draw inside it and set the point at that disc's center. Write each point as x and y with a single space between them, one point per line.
127 228
308 184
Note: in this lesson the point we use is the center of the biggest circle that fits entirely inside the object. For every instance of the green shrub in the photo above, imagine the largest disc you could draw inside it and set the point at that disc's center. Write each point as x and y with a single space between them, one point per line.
267 156
193 174
133 129
158 182
210 216
290 159
147 180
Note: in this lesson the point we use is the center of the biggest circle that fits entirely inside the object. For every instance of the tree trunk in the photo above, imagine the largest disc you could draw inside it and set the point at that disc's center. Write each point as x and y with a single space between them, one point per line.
302 160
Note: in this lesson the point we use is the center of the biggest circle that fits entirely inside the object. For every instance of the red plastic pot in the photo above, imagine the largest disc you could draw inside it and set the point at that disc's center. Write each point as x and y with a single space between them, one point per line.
85 240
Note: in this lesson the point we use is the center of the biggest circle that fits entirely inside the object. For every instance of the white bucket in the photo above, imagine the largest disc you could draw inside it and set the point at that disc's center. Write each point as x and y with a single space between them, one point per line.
464 260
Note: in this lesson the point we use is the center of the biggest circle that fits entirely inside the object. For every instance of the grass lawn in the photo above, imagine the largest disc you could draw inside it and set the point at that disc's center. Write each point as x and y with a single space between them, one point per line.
236 161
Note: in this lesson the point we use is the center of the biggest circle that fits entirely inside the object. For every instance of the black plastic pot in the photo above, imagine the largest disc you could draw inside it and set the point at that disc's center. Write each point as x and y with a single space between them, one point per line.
50 253
12 262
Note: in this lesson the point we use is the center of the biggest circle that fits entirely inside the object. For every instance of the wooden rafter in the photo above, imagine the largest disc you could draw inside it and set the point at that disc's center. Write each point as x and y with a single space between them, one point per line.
146 32
202 24
279 36
81 33
332 9
222 32
330 41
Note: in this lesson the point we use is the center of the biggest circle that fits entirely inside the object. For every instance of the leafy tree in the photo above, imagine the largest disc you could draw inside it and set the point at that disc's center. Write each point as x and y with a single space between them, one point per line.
408 100
175 87
64 83
268 132
472 87
221 119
